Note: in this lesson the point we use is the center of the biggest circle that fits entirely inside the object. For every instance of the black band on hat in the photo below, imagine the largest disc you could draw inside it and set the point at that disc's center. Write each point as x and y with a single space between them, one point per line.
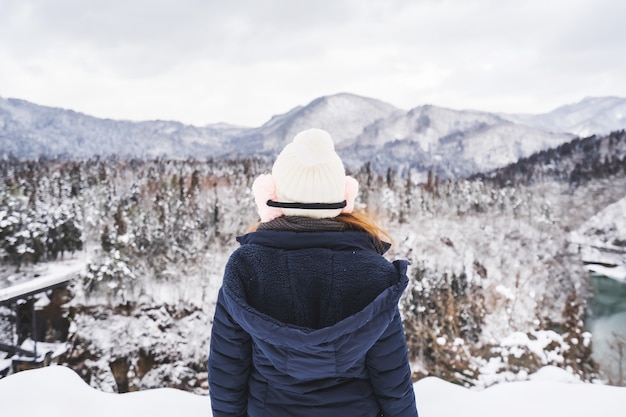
307 206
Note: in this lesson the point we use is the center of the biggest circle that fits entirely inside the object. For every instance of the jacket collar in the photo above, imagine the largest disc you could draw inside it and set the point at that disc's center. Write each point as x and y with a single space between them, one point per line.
287 240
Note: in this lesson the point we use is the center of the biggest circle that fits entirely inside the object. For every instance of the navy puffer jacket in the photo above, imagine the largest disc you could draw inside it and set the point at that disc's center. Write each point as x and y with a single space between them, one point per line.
307 324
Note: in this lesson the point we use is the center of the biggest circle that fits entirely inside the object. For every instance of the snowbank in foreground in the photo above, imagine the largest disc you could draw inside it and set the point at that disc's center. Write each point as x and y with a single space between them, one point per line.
58 391
550 393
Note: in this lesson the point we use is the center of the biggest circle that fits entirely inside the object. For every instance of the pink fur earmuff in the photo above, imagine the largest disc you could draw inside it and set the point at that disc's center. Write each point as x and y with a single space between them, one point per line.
264 189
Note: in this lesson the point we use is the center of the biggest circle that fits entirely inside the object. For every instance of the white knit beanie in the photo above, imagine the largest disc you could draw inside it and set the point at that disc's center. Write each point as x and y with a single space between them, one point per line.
308 170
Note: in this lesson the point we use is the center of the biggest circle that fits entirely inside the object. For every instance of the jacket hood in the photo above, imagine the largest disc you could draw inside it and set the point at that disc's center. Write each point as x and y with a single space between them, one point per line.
304 353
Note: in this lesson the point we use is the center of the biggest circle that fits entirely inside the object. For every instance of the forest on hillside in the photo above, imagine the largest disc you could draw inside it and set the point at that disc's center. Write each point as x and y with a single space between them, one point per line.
497 290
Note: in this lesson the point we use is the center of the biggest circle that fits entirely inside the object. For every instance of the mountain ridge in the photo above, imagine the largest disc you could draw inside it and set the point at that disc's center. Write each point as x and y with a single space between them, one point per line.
591 115
449 142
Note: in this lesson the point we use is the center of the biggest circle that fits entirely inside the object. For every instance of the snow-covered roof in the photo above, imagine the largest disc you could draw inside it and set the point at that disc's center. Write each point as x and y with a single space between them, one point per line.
55 276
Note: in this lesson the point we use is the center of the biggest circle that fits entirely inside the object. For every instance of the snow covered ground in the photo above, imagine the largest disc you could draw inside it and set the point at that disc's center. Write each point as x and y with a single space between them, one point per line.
602 241
58 391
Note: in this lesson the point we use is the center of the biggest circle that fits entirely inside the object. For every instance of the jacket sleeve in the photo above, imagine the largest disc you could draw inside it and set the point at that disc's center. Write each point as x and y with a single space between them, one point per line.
388 365
229 364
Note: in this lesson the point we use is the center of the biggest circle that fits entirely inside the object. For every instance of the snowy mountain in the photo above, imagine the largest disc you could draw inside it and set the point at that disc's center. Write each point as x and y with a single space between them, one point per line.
28 131
592 115
344 115
451 143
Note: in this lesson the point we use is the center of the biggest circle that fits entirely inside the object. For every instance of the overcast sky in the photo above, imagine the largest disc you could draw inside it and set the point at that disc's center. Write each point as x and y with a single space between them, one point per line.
241 62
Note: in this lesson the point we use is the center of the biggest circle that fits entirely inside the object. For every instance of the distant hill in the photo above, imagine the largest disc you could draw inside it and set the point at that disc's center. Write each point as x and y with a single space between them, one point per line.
450 143
576 162
592 115
29 131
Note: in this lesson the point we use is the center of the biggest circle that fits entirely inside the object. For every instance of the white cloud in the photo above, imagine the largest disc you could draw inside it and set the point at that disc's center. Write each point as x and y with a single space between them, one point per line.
244 61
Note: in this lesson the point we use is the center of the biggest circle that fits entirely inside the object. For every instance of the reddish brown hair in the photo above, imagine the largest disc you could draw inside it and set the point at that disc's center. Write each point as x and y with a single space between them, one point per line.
360 220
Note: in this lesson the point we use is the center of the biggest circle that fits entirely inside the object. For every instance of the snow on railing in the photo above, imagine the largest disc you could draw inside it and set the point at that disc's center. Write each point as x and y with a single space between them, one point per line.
58 274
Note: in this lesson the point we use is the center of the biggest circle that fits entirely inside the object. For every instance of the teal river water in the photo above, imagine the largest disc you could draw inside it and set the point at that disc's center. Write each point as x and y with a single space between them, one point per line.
607 322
